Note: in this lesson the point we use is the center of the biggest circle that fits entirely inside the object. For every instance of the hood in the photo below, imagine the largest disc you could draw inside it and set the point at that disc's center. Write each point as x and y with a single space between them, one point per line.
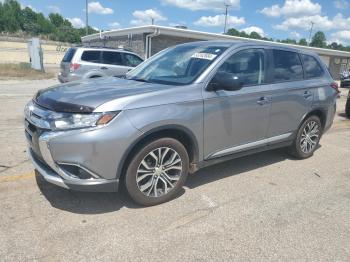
86 95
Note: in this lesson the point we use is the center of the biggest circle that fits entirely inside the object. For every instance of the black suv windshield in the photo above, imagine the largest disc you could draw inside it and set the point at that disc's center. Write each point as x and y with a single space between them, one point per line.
180 65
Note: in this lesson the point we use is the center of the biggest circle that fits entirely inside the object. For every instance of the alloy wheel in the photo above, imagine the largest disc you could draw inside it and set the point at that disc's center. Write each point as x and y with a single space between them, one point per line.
309 137
159 171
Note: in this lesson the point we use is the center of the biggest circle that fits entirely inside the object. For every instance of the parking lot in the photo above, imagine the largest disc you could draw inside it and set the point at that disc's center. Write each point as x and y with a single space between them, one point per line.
266 206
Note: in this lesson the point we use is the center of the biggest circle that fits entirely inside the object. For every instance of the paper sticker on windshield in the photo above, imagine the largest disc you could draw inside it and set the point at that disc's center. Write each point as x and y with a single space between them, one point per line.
206 56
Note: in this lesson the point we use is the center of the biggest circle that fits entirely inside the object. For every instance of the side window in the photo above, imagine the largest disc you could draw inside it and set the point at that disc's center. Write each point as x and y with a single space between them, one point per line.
247 65
111 58
287 66
311 67
91 56
132 60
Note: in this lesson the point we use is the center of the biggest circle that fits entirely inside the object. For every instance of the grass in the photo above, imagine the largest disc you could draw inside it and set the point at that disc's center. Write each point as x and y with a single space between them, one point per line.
23 71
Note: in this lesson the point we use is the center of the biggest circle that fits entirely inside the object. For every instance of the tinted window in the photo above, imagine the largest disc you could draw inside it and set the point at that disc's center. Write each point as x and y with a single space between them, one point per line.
112 58
247 65
287 66
69 55
132 60
91 56
311 67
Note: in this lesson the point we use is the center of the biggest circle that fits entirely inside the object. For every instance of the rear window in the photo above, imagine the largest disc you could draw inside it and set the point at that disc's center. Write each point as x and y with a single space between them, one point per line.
91 56
69 55
132 60
111 58
287 66
312 68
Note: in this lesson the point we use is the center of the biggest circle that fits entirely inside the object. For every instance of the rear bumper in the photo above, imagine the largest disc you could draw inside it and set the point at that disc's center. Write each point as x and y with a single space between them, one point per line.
100 185
67 78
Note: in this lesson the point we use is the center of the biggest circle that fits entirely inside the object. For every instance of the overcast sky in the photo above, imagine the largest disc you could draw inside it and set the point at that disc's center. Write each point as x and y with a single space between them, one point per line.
278 19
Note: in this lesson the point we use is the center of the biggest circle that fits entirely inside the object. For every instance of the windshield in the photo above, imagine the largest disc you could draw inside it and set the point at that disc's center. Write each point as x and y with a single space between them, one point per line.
180 65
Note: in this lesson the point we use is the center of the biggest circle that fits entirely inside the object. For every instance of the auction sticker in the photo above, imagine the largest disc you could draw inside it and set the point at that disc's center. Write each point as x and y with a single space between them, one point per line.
206 56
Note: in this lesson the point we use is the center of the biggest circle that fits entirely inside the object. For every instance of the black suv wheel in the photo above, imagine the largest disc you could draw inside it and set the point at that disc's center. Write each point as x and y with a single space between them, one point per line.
307 138
157 172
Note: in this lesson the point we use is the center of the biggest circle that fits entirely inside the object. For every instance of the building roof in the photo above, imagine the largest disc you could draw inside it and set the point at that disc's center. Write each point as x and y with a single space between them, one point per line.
199 35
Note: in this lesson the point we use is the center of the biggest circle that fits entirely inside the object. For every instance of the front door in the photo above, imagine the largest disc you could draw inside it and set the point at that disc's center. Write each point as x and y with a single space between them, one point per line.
238 120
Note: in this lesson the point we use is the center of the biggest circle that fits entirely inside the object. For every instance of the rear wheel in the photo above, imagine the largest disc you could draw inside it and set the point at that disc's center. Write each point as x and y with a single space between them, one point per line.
307 138
347 106
157 172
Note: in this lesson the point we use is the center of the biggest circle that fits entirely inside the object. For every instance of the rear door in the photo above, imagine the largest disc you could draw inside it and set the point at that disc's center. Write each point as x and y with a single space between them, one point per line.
91 64
113 63
292 96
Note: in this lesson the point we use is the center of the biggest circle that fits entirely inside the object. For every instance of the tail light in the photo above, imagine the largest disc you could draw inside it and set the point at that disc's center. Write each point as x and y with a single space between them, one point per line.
334 85
73 67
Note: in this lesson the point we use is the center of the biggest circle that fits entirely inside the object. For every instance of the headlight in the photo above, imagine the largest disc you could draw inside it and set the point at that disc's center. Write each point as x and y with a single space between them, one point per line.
75 121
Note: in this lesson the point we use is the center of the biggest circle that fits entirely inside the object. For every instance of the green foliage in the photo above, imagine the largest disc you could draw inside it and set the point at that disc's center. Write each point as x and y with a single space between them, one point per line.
14 19
319 40
302 41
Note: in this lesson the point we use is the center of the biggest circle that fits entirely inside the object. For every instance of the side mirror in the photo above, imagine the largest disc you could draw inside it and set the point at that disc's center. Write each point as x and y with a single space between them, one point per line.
225 81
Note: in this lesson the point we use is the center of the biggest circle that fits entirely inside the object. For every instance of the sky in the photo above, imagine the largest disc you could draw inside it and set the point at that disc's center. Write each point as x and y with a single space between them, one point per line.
278 19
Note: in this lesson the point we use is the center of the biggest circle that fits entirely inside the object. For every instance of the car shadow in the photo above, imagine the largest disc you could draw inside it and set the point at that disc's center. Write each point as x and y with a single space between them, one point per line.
86 202
237 166
98 203
342 114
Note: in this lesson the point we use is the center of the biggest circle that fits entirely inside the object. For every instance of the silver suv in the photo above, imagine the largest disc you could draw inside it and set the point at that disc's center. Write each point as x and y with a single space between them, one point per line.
87 62
183 109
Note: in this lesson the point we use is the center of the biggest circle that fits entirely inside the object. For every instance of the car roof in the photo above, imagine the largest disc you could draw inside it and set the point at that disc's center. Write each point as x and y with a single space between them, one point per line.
239 43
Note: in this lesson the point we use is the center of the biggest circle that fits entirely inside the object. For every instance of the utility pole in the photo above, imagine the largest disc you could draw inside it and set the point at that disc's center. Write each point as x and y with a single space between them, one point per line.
312 26
226 13
87 17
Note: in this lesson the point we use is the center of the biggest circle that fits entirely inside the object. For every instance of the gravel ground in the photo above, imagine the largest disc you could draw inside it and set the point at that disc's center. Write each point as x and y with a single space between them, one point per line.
264 207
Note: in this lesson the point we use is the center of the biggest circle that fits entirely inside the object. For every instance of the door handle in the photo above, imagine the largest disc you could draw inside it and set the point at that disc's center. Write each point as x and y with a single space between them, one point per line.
104 68
307 94
263 100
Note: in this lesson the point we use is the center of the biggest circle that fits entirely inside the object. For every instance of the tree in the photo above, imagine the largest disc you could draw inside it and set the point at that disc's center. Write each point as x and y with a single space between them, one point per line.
232 32
254 35
302 41
11 13
319 40
289 41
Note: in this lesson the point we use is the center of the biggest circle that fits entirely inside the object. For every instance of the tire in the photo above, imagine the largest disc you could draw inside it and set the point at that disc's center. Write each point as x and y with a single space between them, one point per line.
302 147
347 106
150 185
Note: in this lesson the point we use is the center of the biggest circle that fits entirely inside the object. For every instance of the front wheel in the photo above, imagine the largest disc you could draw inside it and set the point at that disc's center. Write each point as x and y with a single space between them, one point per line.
307 138
157 172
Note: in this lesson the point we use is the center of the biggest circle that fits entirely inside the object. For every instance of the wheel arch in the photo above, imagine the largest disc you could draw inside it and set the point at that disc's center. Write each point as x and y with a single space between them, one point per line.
320 113
180 133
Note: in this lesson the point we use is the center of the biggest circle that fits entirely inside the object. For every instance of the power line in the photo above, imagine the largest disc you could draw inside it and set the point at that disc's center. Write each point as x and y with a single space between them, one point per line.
312 25
87 16
226 13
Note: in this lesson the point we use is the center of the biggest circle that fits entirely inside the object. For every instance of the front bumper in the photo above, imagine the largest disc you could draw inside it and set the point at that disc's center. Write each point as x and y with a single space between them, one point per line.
88 159
101 185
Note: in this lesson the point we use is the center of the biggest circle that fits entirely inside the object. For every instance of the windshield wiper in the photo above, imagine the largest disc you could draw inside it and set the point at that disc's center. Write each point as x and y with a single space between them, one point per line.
139 79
